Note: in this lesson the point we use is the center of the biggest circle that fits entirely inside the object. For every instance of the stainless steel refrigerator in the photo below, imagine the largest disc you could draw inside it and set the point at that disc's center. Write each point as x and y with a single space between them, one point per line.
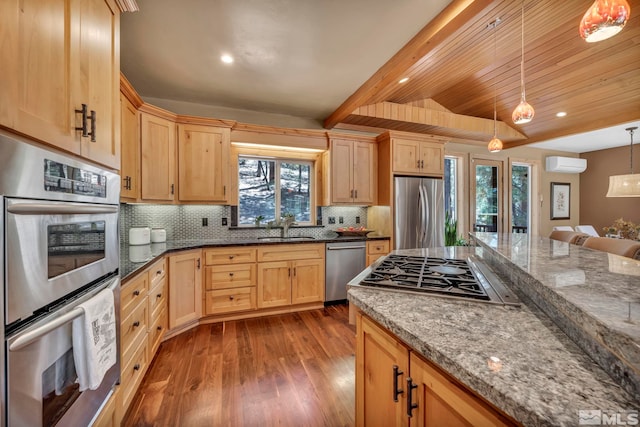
418 212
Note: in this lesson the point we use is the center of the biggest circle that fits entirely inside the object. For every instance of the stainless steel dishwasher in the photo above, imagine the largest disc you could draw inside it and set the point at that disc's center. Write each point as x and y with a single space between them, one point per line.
344 261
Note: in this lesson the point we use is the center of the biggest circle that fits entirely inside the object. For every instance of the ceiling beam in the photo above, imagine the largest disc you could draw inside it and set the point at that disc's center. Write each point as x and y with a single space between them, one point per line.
452 18
432 119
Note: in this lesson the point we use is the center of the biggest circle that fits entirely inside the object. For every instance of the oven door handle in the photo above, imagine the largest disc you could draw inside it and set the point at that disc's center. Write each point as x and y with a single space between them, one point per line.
59 209
34 335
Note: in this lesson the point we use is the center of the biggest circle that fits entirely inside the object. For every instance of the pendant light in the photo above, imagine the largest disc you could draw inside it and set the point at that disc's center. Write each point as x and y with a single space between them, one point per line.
524 111
604 19
625 185
495 144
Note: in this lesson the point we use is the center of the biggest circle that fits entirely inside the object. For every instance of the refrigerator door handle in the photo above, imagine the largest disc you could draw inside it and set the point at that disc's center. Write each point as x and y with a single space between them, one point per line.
423 212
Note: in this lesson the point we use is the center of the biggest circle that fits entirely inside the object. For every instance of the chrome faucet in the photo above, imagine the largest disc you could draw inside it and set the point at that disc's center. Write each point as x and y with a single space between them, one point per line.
286 222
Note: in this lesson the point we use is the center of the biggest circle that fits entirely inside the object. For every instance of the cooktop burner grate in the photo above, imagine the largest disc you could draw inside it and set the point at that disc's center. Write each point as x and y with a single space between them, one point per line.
440 276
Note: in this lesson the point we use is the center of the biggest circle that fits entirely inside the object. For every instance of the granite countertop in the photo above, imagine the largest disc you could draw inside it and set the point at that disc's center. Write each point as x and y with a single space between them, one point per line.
543 379
136 258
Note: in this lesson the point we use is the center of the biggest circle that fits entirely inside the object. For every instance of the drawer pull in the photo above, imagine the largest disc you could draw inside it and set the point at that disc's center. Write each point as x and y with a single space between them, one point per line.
159 296
231 297
230 274
136 367
136 292
136 323
231 256
159 328
159 272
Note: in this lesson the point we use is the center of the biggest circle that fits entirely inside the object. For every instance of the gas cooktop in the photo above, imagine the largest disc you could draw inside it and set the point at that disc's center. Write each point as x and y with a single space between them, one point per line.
453 278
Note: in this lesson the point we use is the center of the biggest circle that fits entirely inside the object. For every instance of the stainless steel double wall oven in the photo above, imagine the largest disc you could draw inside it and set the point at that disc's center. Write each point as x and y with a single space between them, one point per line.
60 248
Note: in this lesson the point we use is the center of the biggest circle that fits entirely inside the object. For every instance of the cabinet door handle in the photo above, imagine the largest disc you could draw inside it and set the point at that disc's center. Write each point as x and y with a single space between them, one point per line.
198 264
136 367
294 271
418 164
396 391
410 405
356 194
136 323
159 296
159 272
422 164
83 128
172 188
136 292
93 118
159 328
289 274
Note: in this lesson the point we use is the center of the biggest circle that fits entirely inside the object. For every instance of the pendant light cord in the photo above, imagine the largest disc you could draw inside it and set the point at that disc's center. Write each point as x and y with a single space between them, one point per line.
522 54
495 56
631 129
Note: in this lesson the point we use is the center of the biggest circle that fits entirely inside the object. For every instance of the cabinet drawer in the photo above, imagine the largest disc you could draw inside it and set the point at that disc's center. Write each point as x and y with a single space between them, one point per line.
132 293
156 332
230 276
229 300
132 374
290 252
378 247
157 272
133 330
157 299
229 255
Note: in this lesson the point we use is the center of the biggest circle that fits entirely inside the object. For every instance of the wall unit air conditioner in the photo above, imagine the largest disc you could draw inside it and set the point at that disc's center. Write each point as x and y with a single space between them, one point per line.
566 164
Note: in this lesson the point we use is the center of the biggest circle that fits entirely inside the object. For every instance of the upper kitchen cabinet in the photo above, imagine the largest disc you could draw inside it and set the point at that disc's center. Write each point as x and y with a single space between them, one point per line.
413 154
203 163
61 67
158 155
130 143
349 171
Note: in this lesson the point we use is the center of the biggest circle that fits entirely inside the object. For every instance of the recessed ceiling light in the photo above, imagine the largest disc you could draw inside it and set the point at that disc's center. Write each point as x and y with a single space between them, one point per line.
227 59
404 80
561 114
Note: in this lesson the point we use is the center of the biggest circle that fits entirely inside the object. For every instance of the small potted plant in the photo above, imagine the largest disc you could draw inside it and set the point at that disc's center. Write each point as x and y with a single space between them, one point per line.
258 220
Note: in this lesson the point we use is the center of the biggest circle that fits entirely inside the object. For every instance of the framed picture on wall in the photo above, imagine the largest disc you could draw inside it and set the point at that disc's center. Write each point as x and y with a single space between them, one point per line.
560 200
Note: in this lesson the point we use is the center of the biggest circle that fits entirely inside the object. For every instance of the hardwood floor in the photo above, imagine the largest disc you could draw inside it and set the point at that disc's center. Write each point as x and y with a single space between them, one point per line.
288 370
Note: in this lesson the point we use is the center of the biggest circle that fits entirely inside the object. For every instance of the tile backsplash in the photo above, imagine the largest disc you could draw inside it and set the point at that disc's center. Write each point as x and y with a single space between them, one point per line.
185 222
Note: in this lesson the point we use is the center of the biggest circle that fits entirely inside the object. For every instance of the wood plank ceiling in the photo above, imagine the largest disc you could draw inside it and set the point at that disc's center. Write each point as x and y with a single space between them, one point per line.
452 62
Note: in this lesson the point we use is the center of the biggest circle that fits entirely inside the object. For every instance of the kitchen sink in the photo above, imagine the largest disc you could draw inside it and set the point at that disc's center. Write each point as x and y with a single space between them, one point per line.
285 239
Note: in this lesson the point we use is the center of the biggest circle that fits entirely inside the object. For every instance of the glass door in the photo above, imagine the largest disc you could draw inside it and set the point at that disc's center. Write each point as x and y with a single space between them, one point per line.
520 215
486 195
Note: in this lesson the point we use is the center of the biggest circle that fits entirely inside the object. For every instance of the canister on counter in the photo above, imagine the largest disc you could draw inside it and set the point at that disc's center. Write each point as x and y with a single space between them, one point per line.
158 235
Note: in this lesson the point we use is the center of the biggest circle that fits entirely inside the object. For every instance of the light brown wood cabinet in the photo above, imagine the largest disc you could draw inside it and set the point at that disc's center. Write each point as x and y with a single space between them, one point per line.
143 305
230 280
185 288
110 415
290 274
376 249
418 157
390 377
349 172
158 158
56 56
203 163
130 149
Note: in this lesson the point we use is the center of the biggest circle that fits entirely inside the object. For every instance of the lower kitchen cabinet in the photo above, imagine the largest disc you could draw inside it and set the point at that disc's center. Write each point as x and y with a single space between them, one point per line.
395 386
230 280
110 415
376 249
185 288
143 314
294 274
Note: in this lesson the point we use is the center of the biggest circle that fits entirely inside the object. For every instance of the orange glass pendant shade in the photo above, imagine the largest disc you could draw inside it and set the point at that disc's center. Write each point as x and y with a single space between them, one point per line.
495 145
604 19
523 113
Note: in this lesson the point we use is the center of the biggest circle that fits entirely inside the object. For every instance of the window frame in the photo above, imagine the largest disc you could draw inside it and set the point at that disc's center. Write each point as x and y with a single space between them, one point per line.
278 161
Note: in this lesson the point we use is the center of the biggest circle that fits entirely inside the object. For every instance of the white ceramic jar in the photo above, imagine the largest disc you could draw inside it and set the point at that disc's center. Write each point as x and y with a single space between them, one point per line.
158 235
139 236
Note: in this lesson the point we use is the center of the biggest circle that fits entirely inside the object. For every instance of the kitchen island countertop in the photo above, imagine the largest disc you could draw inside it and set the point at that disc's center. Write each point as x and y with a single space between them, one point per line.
545 379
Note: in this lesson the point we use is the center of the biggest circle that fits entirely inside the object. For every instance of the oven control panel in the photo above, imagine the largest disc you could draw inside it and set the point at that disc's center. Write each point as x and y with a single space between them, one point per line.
62 178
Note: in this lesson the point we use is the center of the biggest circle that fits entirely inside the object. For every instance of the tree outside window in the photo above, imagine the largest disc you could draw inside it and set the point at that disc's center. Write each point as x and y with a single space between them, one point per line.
270 188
